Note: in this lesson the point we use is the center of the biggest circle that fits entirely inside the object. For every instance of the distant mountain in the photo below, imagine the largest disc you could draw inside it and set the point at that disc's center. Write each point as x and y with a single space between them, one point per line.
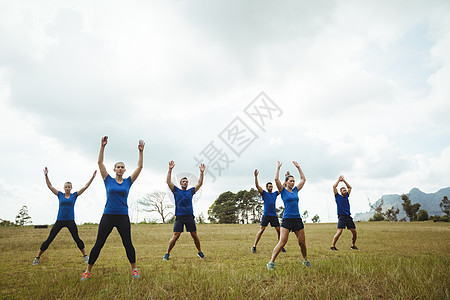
429 202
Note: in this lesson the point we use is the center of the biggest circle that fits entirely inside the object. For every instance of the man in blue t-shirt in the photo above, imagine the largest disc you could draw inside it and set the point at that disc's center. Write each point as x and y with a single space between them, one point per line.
343 211
184 212
270 211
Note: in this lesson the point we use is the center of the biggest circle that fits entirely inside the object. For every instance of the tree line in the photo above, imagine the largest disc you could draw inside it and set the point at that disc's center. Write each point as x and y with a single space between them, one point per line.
413 211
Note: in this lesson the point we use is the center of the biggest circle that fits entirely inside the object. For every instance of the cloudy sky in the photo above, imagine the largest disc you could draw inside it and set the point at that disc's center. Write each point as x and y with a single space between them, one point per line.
359 88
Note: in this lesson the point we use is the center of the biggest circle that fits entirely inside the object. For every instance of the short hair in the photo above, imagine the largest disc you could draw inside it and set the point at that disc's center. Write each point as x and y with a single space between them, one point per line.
68 183
342 187
182 179
268 183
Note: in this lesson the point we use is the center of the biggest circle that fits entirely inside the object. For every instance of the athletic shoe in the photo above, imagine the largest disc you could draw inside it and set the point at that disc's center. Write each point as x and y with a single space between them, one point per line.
86 275
86 259
166 256
306 263
270 266
201 255
253 250
282 250
354 248
334 248
135 273
35 261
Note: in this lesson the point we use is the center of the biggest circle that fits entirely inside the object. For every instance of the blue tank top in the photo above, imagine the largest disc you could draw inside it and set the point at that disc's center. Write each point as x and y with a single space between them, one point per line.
117 196
66 206
183 201
290 201
270 200
343 206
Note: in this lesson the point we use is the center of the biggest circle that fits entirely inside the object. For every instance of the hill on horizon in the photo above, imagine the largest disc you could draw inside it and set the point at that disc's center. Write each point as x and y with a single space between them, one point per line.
429 202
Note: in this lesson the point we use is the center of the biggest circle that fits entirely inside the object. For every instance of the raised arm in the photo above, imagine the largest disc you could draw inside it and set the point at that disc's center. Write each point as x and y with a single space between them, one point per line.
349 188
101 166
138 170
202 168
169 175
277 179
302 181
335 191
260 190
81 191
50 186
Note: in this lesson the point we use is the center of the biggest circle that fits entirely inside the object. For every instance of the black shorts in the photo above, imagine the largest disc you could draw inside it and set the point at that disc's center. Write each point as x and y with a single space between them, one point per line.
293 224
346 221
181 221
273 220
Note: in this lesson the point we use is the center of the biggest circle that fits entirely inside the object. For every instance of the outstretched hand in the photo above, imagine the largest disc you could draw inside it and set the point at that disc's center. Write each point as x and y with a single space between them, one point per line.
171 164
287 174
104 140
296 164
202 168
95 173
279 164
256 173
341 178
141 145
45 171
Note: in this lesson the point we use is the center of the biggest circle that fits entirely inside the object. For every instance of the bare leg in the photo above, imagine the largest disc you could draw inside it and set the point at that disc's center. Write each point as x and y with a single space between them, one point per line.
353 230
281 243
83 251
301 242
196 240
258 235
278 231
173 240
39 253
336 237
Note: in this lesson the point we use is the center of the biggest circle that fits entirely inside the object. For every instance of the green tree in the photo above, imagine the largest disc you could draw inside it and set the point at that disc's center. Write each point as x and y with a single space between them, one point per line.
6 223
391 214
256 205
423 215
378 215
280 211
304 216
224 209
410 209
23 218
200 218
316 219
445 206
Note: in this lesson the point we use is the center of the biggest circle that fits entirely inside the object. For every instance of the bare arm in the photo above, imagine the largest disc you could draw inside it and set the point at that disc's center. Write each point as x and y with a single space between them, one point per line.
277 179
81 191
349 188
50 186
200 181
169 175
336 184
302 181
138 170
101 166
260 190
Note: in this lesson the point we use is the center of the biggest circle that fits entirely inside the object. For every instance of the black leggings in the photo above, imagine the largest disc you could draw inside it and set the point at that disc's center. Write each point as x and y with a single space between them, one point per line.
107 223
70 224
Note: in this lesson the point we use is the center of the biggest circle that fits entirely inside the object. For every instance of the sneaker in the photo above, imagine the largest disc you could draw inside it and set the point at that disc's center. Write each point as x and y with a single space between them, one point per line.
36 261
354 248
306 263
166 256
135 273
253 250
86 275
86 259
334 248
270 266
282 250
201 255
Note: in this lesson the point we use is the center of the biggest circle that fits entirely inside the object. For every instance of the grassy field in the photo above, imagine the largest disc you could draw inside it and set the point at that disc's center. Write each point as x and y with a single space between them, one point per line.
395 261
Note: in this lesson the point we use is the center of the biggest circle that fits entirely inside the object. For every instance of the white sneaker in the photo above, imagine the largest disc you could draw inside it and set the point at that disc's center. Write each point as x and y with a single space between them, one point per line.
35 261
86 259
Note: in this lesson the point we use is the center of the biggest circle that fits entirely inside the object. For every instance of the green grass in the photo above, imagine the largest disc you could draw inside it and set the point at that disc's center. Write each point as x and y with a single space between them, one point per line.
395 261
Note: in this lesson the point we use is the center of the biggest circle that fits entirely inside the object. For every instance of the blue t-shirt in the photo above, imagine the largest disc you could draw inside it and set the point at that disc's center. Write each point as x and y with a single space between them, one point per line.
117 196
343 206
66 206
290 201
270 200
183 201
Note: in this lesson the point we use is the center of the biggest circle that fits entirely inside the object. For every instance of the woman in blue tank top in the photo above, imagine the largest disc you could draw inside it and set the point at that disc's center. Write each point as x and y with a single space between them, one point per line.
66 216
291 216
116 209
